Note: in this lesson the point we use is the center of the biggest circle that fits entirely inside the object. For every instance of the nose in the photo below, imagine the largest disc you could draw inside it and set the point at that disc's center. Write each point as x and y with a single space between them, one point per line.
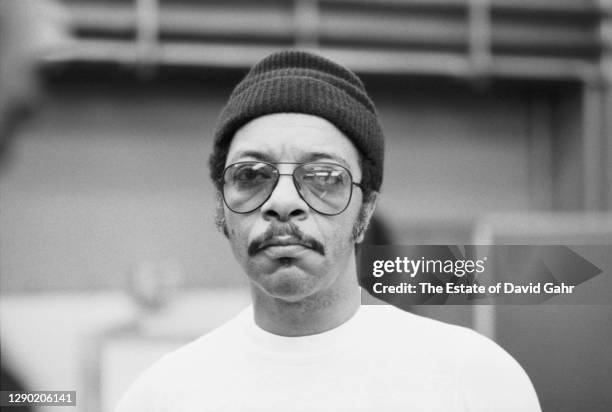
285 203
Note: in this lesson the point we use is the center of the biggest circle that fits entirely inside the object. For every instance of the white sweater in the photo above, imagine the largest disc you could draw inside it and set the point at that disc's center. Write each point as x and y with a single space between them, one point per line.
382 359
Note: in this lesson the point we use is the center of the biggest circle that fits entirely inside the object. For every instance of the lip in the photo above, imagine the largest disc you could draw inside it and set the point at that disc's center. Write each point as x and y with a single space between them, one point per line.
283 246
284 251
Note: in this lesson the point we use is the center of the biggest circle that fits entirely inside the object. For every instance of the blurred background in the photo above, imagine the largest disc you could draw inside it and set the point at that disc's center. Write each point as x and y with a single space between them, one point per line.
498 120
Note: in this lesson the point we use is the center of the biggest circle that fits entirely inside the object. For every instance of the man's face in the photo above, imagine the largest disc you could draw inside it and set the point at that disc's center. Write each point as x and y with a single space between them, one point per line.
308 251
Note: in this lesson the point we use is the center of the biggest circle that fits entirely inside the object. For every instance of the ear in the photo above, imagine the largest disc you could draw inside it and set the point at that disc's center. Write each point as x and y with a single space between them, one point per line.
367 211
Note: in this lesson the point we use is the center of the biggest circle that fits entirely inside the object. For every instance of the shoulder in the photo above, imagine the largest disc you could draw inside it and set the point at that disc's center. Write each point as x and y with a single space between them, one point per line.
179 369
456 344
488 377
419 331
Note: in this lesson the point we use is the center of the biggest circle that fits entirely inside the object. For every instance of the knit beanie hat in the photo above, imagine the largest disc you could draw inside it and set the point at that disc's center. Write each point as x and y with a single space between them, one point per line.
300 82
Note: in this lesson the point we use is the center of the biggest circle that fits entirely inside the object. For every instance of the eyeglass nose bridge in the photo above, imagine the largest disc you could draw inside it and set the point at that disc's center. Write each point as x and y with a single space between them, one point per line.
295 186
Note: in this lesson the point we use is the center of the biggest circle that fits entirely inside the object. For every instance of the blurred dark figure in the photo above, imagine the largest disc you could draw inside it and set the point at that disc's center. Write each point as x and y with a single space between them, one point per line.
8 382
27 29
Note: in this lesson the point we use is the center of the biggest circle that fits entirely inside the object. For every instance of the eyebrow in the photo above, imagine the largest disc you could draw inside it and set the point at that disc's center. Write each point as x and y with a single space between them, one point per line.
254 154
321 155
310 157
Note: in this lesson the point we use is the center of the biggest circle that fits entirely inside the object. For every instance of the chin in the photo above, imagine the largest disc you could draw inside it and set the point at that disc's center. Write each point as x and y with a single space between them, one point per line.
288 283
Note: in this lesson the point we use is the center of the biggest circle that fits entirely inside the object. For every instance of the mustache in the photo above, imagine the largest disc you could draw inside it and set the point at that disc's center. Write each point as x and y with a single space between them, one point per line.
284 229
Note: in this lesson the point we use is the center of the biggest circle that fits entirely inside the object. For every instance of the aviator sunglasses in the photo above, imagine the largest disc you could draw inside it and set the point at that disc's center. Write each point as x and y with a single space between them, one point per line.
326 188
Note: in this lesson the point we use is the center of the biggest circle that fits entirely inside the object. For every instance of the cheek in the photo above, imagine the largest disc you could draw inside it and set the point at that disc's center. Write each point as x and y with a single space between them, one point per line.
339 239
237 231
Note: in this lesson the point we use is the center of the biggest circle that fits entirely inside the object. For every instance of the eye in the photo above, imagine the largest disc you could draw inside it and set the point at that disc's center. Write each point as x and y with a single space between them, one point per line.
245 175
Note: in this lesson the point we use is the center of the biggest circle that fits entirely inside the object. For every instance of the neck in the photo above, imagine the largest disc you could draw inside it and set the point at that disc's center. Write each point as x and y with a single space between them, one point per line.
317 313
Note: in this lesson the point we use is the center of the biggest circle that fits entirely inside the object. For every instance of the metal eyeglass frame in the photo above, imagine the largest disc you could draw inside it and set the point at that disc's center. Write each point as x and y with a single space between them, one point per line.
292 174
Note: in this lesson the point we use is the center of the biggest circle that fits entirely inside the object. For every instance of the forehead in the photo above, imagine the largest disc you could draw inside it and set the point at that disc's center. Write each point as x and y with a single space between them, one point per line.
292 137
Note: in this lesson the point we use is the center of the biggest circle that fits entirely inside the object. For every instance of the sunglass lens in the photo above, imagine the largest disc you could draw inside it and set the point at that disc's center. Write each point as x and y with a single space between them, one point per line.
325 187
247 185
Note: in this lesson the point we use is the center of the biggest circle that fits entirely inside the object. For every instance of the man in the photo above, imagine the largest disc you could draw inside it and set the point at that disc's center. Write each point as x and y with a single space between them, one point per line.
297 161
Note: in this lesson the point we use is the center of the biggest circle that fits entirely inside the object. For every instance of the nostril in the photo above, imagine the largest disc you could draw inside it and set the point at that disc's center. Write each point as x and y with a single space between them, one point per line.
297 213
271 214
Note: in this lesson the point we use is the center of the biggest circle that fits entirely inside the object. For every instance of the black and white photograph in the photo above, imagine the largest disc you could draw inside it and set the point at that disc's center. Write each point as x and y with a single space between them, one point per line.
306 205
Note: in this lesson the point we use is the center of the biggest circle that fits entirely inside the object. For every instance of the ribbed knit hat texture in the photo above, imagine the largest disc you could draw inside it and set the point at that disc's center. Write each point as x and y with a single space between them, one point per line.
295 81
